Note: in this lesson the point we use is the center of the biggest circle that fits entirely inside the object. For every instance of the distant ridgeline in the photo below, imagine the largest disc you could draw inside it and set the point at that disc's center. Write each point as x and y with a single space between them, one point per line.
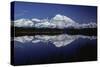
21 31
59 24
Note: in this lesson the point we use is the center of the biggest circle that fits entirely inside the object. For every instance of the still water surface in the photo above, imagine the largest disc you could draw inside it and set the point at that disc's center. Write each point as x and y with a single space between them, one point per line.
39 49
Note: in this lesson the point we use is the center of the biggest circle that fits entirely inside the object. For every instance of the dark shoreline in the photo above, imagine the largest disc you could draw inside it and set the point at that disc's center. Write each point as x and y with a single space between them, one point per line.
19 31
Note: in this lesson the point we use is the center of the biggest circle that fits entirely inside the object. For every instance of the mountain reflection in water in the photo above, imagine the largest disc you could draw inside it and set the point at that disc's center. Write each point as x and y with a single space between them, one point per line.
57 40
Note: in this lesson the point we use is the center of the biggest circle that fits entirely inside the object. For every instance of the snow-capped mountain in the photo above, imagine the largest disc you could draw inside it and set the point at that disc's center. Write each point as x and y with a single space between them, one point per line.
58 21
36 20
62 21
45 24
23 23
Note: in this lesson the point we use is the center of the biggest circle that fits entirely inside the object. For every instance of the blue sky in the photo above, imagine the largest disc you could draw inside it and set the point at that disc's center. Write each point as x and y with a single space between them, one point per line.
80 14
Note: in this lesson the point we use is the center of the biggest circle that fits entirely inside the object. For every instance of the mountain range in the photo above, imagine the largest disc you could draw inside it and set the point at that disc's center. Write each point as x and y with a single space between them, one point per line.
58 21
